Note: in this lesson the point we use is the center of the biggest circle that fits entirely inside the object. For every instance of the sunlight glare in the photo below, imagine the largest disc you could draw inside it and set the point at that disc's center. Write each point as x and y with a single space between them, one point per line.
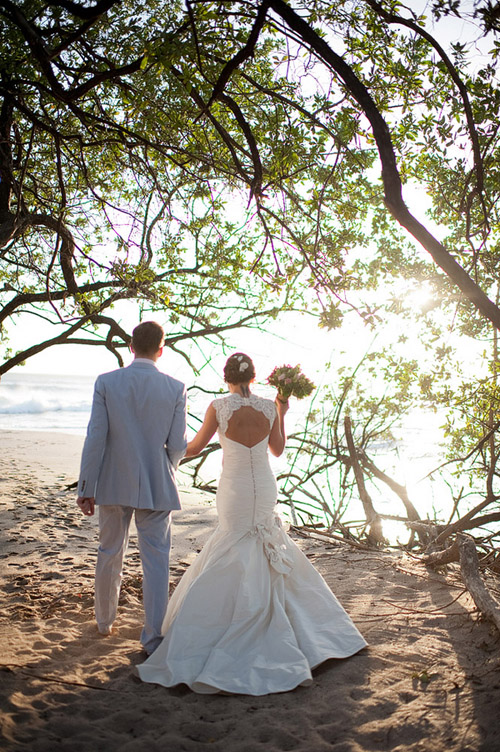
414 296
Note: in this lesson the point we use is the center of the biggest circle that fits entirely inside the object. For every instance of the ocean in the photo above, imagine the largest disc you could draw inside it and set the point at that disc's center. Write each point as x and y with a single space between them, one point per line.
41 402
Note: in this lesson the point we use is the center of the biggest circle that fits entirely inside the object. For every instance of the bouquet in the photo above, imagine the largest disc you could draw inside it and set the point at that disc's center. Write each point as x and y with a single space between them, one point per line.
290 381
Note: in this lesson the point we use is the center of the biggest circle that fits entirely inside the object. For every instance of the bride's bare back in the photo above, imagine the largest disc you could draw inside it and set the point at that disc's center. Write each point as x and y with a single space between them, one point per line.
243 424
248 426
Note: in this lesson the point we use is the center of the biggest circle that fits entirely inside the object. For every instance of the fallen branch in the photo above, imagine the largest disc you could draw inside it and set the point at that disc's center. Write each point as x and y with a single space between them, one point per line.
428 528
469 565
320 535
438 558
437 610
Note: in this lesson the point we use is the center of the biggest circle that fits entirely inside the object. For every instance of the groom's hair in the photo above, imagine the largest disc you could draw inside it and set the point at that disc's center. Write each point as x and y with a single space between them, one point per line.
147 338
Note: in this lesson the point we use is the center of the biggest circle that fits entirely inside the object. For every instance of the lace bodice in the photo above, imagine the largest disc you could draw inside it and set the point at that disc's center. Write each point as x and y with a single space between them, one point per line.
226 406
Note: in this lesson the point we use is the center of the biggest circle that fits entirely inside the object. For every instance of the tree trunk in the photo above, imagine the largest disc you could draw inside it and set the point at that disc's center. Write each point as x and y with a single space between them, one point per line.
393 485
413 515
375 534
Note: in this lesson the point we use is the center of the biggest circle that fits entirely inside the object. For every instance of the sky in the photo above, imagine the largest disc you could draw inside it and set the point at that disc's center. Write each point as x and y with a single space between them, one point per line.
292 339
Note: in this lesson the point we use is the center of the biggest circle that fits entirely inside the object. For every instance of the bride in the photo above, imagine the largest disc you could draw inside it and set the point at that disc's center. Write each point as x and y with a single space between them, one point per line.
251 615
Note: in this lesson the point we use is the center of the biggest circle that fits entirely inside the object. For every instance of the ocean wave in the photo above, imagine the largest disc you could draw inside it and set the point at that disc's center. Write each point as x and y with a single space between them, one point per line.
28 395
33 406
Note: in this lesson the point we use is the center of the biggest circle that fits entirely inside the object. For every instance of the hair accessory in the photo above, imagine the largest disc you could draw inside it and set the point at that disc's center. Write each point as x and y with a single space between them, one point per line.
243 366
239 358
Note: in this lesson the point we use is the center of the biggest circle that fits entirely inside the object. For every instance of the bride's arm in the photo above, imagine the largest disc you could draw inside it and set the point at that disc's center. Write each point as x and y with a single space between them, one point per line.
207 430
277 437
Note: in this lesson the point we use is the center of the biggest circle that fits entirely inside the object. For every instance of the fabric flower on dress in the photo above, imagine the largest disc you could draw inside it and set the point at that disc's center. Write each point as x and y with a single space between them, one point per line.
275 546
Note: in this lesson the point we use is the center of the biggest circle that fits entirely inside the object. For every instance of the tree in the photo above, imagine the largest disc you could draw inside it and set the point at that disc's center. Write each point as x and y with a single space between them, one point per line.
105 193
487 12
113 118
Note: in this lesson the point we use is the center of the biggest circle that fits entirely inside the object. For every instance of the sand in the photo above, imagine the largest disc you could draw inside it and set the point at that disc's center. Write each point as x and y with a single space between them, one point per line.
430 678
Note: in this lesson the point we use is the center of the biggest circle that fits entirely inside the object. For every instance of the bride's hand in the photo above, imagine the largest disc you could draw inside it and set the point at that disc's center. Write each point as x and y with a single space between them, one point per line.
191 450
281 406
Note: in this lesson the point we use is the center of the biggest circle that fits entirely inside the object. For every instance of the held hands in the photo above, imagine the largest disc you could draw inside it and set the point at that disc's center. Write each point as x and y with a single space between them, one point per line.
86 504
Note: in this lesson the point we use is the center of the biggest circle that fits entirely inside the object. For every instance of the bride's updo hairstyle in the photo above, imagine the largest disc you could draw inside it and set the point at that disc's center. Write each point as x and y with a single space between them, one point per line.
239 369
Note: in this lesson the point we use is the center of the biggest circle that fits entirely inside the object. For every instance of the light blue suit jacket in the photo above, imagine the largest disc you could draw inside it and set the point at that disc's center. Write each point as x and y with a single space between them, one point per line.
135 438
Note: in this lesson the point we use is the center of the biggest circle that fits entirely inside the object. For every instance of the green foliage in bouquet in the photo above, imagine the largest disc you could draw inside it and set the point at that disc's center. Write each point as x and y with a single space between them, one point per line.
290 381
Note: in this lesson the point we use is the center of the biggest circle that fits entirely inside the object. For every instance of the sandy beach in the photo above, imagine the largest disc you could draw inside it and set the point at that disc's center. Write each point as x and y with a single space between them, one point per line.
430 678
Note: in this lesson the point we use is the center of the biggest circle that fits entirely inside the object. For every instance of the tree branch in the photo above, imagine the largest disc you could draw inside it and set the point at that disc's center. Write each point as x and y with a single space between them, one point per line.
87 12
44 57
390 174
376 534
392 18
246 51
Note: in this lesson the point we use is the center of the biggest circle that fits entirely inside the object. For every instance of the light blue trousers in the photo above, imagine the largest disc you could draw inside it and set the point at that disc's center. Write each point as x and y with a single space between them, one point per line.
153 533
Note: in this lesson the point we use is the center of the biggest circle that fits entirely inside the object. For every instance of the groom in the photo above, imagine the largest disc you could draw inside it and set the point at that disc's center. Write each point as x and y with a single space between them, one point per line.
135 439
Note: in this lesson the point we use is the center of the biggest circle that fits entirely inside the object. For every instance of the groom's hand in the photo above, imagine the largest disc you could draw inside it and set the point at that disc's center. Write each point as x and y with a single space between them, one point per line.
86 504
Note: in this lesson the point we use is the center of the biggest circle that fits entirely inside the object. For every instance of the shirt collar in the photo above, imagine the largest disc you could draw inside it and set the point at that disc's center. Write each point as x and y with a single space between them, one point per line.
148 361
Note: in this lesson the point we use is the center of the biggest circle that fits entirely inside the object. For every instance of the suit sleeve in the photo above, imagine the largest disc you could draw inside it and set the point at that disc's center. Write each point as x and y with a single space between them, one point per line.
95 442
177 441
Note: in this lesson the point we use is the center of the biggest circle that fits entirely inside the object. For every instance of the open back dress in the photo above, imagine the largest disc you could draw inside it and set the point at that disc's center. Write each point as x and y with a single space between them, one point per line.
251 615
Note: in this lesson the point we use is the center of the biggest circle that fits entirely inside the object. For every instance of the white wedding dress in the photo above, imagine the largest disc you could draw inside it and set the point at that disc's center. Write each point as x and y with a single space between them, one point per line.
251 615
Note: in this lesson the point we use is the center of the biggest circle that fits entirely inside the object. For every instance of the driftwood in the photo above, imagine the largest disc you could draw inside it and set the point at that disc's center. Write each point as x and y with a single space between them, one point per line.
438 558
469 566
427 531
463 549
375 534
